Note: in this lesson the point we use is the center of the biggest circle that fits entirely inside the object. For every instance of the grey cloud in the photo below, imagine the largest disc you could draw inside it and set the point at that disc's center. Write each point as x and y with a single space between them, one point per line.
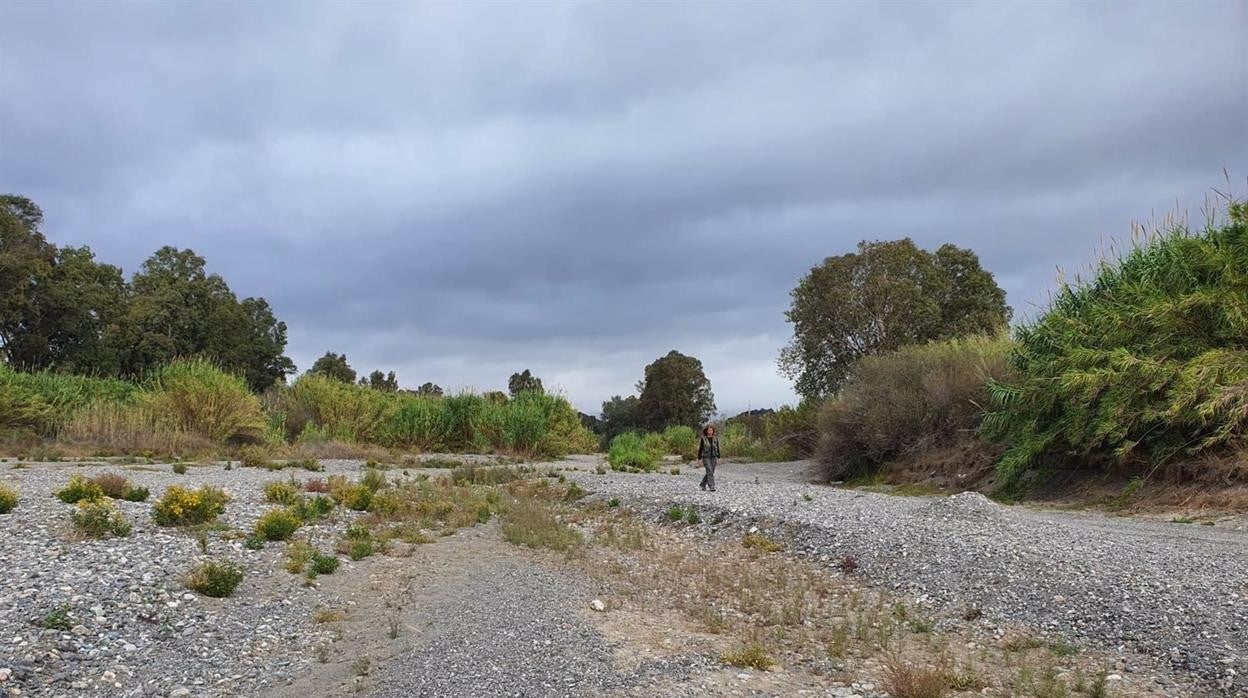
458 191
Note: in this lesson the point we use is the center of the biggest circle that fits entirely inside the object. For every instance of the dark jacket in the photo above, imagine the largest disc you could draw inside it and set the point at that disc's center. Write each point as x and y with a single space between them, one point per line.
708 447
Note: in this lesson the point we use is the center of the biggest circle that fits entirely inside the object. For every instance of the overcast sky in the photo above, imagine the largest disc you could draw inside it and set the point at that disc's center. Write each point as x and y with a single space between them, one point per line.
459 191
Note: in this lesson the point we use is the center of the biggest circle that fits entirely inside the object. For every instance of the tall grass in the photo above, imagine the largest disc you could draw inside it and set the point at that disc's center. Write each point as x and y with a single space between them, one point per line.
197 397
40 402
1146 361
916 397
628 450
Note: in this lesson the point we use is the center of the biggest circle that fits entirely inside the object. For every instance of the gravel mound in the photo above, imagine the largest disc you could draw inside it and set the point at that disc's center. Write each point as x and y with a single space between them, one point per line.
1157 594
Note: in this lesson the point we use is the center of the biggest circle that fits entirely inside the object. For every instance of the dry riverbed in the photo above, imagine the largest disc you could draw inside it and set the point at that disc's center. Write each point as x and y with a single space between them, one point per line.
633 603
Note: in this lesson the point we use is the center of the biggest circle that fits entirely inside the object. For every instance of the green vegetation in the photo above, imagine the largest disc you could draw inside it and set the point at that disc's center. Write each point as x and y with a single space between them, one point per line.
217 579
885 296
752 656
8 499
919 396
277 524
282 492
183 507
100 518
79 489
629 451
117 486
1147 361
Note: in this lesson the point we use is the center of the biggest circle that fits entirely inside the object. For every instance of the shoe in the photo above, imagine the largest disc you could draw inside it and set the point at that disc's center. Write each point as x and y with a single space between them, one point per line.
703 487
712 489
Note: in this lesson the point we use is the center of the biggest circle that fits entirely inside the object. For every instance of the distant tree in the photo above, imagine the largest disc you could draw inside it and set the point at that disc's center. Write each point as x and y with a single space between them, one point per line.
675 390
26 258
386 383
60 309
884 296
523 382
177 309
497 397
619 414
334 366
430 389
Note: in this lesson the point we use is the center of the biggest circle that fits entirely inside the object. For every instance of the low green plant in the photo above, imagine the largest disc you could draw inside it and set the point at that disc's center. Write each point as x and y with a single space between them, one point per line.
57 619
216 579
8 498
324 564
675 513
277 524
255 457
751 656
628 450
282 492
79 489
100 518
179 468
352 495
613 502
312 508
374 480
761 543
531 522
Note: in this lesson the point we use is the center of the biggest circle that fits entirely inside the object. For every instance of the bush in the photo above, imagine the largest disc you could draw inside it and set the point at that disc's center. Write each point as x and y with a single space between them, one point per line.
8 499
79 489
374 480
195 395
118 486
255 457
312 508
352 495
324 564
179 468
182 507
277 524
215 579
41 402
100 518
913 398
282 492
338 411
1146 362
791 433
682 441
628 450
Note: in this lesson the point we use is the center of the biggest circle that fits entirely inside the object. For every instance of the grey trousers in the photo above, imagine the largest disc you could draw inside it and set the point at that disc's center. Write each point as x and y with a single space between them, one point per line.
708 464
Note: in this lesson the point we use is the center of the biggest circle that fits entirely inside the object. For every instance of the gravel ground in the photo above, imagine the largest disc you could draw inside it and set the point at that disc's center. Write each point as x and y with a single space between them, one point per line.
1177 594
510 628
128 610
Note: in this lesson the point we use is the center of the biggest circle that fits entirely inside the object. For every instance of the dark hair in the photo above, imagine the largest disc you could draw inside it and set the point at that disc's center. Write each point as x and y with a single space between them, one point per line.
706 429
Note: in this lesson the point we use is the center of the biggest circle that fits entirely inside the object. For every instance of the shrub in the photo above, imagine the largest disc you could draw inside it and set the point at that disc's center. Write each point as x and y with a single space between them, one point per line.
374 480
316 484
183 507
197 396
682 441
118 486
179 468
215 579
324 564
1146 361
338 411
277 524
749 657
761 543
916 397
255 457
358 543
791 433
79 489
351 495
40 402
282 492
905 680
656 444
8 499
628 450
312 508
100 518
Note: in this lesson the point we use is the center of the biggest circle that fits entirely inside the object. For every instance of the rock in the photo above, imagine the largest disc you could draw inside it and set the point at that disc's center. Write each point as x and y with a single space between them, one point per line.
598 605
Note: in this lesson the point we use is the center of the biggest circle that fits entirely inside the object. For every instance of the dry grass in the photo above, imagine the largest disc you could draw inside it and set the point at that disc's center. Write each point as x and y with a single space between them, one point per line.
810 618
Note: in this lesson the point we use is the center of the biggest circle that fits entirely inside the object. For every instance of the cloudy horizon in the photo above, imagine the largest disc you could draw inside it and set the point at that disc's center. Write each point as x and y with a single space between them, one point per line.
460 191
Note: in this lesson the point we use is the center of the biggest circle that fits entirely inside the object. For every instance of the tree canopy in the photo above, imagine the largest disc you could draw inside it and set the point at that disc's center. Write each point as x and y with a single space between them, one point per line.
880 298
62 310
385 382
334 366
524 382
674 390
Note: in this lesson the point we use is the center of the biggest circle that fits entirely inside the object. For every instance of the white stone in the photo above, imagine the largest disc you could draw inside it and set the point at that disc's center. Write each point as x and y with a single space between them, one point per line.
598 605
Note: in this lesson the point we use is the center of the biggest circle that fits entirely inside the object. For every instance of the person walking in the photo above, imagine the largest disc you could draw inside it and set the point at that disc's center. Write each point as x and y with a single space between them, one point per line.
708 453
